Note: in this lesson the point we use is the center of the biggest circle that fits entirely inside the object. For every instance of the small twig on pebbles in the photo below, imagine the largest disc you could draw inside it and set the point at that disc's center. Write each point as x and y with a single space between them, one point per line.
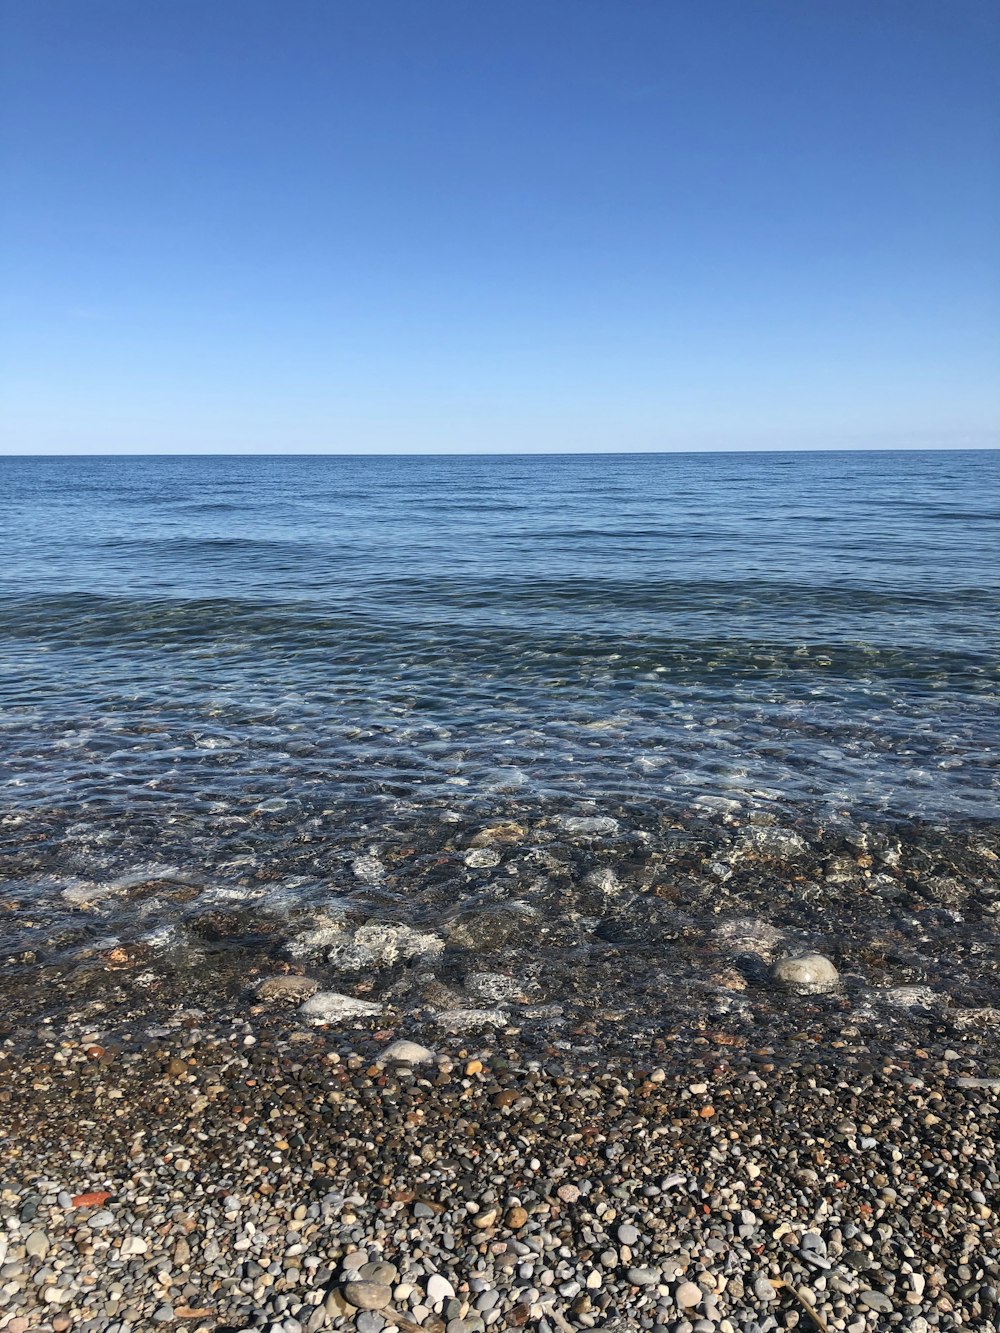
400 1321
810 1310
557 1318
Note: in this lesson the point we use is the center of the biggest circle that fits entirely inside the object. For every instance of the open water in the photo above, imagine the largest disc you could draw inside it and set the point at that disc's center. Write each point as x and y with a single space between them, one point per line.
221 671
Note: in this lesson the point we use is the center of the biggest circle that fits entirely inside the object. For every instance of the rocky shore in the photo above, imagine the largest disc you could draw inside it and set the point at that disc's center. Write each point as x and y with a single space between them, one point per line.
287 1168
633 1070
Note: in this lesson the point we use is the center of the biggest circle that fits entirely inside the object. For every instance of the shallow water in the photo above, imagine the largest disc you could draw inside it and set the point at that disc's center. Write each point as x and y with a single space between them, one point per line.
223 672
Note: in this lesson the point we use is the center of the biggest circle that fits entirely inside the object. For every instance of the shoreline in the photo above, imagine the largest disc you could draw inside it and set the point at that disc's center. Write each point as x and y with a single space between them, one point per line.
611 1056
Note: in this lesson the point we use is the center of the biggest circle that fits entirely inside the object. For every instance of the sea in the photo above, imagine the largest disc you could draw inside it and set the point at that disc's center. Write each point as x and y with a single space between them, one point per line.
564 718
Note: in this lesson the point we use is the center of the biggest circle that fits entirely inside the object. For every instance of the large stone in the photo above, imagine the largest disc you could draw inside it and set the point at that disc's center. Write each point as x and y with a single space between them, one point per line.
489 928
460 1020
506 832
37 1245
806 971
287 988
328 1006
688 1295
438 1288
406 1052
368 1295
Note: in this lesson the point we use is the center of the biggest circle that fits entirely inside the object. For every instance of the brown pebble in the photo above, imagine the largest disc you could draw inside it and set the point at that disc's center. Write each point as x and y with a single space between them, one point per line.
516 1218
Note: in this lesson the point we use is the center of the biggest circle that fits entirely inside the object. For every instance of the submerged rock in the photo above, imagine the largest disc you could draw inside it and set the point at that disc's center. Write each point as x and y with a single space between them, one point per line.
458 1020
489 927
778 844
494 985
482 858
506 832
382 945
330 1007
287 988
406 1052
810 971
588 826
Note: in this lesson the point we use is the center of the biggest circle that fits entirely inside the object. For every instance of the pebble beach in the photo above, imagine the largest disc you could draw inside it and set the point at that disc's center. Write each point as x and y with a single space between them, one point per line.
270 1170
452 895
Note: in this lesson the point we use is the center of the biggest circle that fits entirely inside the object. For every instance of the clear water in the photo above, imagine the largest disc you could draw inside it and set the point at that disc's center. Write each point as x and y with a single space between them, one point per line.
249 704
794 628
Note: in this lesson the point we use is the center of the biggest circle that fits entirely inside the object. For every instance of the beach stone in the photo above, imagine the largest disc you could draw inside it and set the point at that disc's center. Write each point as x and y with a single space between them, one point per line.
504 832
385 1274
488 928
368 1295
369 1322
37 1245
458 1020
628 1234
516 1218
763 1290
810 971
337 1306
482 858
332 1007
688 1294
287 988
588 826
643 1277
875 1300
406 1052
439 1288
780 844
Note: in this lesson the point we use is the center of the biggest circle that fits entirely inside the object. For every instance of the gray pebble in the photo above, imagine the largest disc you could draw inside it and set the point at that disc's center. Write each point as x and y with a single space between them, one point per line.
643 1277
763 1289
37 1245
368 1295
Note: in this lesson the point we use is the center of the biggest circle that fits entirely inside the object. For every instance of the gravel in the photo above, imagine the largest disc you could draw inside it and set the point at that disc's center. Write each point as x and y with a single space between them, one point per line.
310 1179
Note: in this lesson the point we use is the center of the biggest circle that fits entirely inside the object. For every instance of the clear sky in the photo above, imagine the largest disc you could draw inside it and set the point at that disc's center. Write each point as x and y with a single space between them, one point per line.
395 225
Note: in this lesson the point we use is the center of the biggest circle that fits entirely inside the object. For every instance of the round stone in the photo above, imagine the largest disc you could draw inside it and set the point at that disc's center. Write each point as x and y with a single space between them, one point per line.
438 1288
287 988
368 1295
406 1052
810 971
688 1294
37 1245
643 1277
378 1271
876 1300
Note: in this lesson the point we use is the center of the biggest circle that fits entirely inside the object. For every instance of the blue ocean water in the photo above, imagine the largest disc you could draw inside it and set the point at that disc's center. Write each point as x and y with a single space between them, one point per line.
778 630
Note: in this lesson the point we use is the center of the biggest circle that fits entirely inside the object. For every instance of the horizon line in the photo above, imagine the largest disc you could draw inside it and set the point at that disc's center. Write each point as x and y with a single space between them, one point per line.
508 453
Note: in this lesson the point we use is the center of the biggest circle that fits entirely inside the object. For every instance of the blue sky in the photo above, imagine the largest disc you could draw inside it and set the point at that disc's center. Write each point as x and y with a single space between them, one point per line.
435 225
